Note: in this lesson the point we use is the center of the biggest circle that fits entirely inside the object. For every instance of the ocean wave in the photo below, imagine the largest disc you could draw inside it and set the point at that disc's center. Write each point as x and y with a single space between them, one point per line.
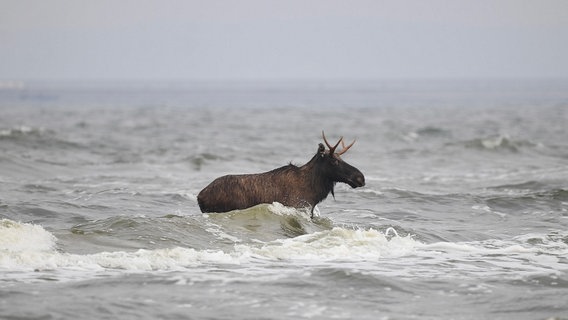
201 159
31 247
542 199
430 132
553 242
499 143
20 132
521 257
176 258
520 187
433 131
19 237
535 189
221 231
38 138
140 232
266 222
337 244
27 249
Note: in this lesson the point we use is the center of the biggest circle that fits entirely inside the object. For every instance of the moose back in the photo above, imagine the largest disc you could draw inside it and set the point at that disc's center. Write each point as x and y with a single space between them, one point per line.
293 186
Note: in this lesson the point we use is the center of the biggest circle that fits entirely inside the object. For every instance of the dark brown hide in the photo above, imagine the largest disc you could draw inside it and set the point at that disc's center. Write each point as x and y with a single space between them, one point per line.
293 186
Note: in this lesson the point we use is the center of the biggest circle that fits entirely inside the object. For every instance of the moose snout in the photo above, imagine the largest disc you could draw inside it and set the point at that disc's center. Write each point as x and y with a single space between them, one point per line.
356 180
360 180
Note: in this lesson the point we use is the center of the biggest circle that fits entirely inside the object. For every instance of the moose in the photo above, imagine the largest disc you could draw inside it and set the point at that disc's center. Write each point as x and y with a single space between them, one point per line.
290 185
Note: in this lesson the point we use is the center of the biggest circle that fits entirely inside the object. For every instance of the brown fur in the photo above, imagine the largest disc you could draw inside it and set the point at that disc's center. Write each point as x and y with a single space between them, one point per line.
293 186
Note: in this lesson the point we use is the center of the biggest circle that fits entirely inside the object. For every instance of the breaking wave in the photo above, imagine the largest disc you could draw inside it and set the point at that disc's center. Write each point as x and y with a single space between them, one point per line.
337 244
499 143
28 247
268 222
37 137
24 237
20 132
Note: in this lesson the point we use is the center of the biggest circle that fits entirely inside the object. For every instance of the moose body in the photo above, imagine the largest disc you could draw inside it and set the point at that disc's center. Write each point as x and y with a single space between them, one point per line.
293 186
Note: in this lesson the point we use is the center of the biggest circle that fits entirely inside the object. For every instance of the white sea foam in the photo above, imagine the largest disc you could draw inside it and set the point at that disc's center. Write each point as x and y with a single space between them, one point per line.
30 247
336 244
26 247
21 130
141 260
16 236
282 210
499 258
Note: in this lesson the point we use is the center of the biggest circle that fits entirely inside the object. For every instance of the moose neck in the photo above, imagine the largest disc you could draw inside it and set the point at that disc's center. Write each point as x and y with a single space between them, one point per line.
320 183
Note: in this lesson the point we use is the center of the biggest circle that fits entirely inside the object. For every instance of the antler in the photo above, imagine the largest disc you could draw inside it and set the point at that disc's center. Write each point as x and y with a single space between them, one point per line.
344 147
332 149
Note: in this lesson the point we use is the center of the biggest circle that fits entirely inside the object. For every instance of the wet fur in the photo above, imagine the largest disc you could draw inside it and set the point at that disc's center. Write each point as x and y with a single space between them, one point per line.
293 186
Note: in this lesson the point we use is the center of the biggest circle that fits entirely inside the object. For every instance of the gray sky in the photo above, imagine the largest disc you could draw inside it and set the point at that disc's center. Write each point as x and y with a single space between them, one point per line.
290 39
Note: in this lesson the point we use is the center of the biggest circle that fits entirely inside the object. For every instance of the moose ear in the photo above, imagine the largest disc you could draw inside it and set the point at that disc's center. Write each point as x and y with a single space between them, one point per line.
321 149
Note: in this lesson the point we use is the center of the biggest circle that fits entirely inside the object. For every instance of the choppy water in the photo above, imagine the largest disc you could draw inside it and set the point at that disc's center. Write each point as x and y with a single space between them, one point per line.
464 215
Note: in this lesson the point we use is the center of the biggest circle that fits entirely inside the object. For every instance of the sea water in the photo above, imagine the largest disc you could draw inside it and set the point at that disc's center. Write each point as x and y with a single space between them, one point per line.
464 214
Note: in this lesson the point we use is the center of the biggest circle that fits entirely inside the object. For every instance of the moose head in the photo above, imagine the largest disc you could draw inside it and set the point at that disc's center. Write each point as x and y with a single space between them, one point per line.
333 167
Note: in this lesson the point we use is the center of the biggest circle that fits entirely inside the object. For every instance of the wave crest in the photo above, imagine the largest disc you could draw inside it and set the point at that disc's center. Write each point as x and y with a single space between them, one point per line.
267 222
337 244
16 236
27 247
499 143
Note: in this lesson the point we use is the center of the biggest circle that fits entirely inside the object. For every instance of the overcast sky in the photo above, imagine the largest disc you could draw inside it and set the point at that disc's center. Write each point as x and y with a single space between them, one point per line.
284 39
